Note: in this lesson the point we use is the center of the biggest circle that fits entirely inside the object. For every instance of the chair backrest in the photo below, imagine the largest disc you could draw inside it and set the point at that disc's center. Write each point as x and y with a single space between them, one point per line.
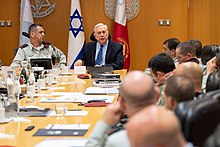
199 117
213 140
213 81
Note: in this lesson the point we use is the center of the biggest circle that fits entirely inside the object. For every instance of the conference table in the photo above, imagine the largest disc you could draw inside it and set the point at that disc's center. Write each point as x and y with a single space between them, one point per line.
22 138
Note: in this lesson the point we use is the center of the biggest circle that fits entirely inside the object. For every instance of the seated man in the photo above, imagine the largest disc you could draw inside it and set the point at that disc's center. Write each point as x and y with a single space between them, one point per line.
155 126
161 67
176 90
169 47
186 52
37 48
137 92
193 72
103 52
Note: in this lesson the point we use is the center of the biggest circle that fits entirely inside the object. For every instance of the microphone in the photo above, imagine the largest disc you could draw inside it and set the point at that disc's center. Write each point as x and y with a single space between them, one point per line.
25 34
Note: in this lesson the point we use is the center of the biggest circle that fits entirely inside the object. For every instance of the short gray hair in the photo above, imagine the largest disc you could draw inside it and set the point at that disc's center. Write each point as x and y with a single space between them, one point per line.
99 25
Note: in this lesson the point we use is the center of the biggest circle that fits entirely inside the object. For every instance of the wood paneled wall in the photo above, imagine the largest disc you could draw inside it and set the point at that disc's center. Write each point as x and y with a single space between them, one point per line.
204 21
145 36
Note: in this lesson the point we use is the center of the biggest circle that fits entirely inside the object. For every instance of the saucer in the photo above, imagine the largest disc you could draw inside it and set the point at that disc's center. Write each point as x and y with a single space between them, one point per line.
6 120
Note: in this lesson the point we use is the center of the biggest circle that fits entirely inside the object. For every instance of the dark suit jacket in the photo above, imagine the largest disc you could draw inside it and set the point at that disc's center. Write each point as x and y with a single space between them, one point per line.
114 55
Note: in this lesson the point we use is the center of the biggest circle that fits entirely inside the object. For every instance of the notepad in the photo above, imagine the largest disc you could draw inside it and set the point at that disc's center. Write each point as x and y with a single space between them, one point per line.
64 142
100 90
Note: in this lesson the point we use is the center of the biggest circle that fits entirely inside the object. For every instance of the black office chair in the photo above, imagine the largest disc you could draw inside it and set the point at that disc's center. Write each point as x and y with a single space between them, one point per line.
199 117
213 81
214 139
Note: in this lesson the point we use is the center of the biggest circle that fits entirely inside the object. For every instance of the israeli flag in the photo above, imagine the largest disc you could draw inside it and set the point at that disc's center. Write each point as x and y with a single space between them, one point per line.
76 34
26 19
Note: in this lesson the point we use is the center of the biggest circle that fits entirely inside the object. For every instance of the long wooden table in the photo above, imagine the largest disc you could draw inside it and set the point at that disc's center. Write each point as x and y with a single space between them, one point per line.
25 139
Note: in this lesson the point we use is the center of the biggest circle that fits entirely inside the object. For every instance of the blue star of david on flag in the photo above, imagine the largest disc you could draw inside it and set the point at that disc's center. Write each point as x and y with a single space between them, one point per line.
76 23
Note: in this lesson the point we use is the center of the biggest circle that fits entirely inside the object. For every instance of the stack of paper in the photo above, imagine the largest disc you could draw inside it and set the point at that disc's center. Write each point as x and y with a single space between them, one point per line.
70 97
100 90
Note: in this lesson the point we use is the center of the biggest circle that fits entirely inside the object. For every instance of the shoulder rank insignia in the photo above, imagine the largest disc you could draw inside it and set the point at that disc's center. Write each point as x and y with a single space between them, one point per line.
46 44
115 129
23 46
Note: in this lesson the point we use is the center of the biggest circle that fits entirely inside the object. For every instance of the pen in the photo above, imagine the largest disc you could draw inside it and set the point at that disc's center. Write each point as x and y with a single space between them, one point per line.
74 110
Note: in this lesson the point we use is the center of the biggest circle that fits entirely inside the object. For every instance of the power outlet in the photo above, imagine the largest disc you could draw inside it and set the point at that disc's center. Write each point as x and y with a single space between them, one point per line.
167 22
161 22
8 23
2 23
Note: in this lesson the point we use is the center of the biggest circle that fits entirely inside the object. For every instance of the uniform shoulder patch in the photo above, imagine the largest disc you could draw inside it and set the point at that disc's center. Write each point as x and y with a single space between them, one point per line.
23 46
46 44
115 129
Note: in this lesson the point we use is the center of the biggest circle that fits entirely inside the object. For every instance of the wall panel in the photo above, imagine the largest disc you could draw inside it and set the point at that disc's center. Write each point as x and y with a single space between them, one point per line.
145 35
204 20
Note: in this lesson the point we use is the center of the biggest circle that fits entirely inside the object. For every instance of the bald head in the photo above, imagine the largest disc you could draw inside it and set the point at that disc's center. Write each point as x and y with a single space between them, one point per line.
156 126
192 71
138 89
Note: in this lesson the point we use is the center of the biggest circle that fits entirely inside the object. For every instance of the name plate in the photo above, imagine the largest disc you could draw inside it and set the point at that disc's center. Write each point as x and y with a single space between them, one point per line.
79 69
38 68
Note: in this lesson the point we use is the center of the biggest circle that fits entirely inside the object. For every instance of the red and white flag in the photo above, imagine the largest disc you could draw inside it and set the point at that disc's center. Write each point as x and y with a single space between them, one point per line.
121 32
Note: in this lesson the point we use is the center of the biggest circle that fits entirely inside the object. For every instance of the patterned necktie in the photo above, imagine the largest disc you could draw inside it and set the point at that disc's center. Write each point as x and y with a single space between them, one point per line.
99 56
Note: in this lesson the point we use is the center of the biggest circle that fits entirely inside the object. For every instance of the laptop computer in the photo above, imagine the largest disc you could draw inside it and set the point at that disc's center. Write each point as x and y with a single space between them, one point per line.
41 62
95 70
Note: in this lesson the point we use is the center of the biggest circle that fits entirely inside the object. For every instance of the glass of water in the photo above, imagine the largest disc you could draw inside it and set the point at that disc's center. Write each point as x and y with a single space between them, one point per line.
60 110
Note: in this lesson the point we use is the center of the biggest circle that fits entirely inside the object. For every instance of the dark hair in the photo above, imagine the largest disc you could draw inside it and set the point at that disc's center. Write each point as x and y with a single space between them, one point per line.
171 43
33 27
186 47
208 52
179 88
198 46
162 62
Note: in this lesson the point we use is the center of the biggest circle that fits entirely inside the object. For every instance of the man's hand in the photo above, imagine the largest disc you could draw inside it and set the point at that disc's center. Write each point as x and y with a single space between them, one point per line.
78 63
112 114
210 65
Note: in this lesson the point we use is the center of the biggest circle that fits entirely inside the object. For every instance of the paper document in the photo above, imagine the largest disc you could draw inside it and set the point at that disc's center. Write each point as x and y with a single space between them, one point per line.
4 136
69 126
71 113
70 97
63 142
106 84
100 90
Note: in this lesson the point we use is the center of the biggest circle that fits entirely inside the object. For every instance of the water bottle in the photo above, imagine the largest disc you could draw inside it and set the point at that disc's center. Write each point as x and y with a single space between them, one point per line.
10 86
31 79
11 102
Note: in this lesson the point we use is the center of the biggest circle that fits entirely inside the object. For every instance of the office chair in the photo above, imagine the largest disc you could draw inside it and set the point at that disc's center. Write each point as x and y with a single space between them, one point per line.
213 81
199 117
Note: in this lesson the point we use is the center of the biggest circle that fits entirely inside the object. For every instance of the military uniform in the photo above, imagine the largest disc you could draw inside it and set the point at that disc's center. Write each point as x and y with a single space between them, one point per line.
100 136
45 50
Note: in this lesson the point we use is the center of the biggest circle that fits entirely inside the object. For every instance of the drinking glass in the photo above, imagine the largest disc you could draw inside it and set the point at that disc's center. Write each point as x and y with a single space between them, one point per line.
60 110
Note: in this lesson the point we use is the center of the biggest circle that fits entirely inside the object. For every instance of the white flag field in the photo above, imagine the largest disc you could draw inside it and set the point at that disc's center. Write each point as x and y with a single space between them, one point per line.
26 19
76 34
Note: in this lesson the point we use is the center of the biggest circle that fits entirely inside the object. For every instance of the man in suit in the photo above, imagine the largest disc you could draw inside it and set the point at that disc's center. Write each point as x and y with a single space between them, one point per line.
103 52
